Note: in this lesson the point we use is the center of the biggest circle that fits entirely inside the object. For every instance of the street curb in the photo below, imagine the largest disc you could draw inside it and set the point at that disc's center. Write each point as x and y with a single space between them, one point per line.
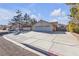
26 48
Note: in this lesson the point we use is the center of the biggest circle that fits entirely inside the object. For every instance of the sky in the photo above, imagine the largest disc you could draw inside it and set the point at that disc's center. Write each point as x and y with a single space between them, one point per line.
50 12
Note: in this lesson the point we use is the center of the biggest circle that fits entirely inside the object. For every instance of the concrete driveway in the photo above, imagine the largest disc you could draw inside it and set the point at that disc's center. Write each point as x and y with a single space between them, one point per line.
59 43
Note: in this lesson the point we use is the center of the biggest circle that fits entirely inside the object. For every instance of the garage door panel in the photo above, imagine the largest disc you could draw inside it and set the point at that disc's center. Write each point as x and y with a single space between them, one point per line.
44 29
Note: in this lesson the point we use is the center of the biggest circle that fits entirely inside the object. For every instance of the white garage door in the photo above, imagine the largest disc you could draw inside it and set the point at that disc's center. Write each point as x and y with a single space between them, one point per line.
43 29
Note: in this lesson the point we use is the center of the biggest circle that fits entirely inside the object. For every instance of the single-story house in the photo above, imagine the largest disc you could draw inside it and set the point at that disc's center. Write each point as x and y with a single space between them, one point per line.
44 26
3 27
15 26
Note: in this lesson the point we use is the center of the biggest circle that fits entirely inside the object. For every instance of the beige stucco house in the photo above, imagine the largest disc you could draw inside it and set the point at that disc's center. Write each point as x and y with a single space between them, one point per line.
44 26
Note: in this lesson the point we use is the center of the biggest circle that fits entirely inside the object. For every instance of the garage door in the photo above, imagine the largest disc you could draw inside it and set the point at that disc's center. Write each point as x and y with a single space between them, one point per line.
43 29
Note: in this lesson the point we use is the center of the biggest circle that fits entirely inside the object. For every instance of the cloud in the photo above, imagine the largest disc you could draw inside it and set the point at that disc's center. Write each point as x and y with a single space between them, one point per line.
58 12
33 16
6 14
63 20
29 12
37 17
60 16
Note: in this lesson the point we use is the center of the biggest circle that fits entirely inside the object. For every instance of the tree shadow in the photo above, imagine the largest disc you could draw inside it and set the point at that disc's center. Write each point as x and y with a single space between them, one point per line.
54 32
59 32
40 50
4 33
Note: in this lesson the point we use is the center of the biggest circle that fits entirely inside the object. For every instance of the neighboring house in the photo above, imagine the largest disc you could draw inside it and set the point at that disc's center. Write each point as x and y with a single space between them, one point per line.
3 27
61 27
44 26
16 26
27 27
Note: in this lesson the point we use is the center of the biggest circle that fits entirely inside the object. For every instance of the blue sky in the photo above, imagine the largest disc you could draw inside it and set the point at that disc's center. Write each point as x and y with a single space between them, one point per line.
47 11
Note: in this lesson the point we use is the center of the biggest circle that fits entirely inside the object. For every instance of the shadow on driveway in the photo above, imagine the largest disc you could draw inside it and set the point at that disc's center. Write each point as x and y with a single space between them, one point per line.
3 33
59 32
40 50
55 32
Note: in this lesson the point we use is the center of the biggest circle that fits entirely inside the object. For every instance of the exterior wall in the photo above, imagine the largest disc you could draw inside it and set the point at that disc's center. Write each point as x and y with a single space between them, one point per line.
54 26
43 27
43 24
3 27
17 26
27 28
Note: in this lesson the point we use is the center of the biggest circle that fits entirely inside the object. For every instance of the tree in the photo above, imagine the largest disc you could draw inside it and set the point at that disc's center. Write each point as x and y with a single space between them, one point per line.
74 15
17 19
33 21
71 27
26 18
74 9
22 21
29 20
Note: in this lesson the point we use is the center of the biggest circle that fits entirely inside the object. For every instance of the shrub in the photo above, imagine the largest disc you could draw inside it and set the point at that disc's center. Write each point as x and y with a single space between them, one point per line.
76 30
71 27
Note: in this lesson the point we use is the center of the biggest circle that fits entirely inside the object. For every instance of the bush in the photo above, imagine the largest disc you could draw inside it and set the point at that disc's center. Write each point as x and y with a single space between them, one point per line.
71 27
76 30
